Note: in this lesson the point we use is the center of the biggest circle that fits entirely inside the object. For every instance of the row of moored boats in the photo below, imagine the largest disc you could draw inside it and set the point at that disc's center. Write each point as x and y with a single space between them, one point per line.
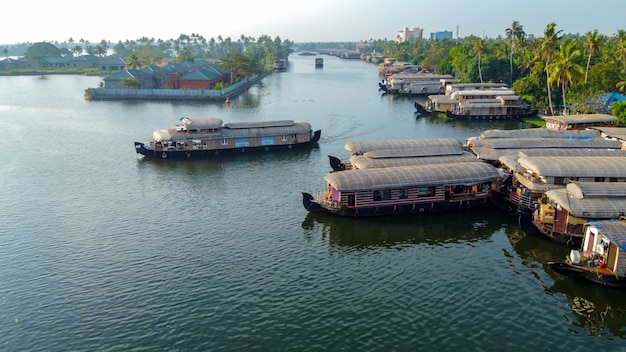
568 185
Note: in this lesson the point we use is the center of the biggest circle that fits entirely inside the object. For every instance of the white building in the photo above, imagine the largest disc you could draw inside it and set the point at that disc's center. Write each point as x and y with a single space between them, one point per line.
406 34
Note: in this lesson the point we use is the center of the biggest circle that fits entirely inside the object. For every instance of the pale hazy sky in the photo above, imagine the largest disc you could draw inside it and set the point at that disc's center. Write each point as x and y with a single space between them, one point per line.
297 20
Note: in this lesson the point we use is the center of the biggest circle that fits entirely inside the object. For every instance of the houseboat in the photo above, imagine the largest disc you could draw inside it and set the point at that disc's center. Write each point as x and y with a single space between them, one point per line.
440 103
397 148
415 84
579 122
210 137
319 62
489 105
535 176
602 256
404 190
563 212
402 157
280 65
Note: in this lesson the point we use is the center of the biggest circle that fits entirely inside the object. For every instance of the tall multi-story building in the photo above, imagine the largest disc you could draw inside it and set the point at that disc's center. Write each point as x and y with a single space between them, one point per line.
441 35
407 34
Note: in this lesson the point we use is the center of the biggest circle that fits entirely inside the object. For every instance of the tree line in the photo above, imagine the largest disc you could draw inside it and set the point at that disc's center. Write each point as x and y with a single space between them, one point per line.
566 72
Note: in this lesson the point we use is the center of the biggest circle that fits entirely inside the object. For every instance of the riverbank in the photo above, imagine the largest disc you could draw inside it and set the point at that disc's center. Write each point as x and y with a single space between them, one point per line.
173 94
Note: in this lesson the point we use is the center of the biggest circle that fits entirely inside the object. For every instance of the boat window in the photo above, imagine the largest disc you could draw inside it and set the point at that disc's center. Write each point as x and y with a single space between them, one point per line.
404 193
599 179
224 141
283 138
386 194
559 180
425 191
378 196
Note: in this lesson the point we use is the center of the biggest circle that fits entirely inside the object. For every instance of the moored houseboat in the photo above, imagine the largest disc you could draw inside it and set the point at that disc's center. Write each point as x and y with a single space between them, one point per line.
579 122
404 190
397 148
415 84
393 157
440 103
210 137
280 65
563 212
485 105
602 256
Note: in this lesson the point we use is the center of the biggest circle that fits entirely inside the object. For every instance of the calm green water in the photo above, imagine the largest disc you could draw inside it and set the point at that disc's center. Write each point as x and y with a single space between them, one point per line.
101 250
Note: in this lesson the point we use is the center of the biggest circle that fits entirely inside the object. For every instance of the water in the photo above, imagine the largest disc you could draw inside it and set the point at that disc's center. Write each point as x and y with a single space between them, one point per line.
102 250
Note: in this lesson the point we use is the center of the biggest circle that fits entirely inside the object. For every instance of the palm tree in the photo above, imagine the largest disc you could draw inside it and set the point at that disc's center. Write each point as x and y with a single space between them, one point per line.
547 51
620 42
514 34
566 70
593 42
479 47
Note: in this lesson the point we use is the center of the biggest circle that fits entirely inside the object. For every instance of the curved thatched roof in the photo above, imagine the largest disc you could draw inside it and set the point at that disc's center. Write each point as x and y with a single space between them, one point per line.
605 207
574 166
412 176
363 162
539 133
201 123
584 118
366 146
532 143
510 160
413 152
580 190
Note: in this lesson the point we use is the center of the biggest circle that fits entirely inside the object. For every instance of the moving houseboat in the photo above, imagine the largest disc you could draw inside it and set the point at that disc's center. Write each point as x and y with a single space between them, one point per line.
563 212
602 256
210 137
404 190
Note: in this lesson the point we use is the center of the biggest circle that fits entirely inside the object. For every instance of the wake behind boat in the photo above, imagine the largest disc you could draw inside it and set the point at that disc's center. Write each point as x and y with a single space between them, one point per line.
209 137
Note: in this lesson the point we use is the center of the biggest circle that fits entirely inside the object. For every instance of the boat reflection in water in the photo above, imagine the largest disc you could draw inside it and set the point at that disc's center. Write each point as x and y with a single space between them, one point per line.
602 310
596 310
432 229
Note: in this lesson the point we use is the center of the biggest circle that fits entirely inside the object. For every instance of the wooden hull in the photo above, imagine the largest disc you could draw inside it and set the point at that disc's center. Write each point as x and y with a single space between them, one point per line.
311 205
142 149
593 274
530 227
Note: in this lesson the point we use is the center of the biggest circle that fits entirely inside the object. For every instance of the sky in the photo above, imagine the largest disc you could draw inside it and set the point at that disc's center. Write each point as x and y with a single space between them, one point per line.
299 20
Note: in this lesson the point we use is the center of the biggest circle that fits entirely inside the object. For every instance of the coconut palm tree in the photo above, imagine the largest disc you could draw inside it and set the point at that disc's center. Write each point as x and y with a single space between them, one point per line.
547 50
620 46
566 69
593 42
515 34
479 47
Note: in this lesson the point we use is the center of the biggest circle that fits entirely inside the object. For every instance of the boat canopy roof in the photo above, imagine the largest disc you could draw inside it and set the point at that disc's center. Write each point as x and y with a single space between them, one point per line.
231 130
442 99
413 152
259 124
611 132
483 92
540 133
574 166
613 230
532 143
584 118
580 190
201 123
366 146
482 103
510 160
412 176
588 207
363 162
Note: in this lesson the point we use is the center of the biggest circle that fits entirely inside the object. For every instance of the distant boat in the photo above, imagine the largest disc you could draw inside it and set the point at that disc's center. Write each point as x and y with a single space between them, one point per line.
280 65
319 62
209 137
